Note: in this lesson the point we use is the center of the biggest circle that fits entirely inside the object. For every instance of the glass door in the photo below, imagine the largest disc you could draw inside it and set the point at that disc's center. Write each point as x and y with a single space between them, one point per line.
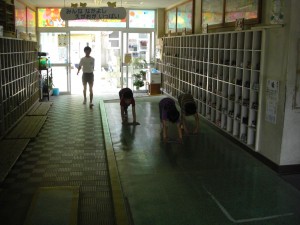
140 47
106 49
56 45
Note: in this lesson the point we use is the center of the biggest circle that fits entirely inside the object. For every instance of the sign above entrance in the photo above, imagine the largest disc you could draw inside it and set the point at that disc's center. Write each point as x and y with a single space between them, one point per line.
93 13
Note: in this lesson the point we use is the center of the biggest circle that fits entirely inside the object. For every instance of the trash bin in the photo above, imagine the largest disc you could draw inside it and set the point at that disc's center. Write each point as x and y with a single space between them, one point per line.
55 91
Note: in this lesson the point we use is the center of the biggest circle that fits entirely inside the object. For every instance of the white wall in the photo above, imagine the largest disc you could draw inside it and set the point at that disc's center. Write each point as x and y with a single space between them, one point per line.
270 138
197 17
280 142
273 68
160 23
290 150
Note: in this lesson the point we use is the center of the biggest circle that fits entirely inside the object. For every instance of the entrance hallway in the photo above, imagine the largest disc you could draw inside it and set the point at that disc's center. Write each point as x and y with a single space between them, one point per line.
208 180
68 152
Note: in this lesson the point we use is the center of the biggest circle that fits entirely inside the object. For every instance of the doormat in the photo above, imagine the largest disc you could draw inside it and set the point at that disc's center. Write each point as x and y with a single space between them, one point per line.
28 127
40 109
10 150
54 205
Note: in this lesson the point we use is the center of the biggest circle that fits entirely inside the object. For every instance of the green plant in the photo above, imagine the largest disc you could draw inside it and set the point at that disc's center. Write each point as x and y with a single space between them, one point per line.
139 63
143 74
137 76
138 83
138 80
45 84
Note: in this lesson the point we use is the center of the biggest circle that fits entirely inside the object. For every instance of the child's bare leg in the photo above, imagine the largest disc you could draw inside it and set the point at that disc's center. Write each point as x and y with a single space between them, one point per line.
91 92
84 93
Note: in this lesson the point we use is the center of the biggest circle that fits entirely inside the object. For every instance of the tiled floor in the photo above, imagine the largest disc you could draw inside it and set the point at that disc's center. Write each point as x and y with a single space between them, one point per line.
208 180
68 151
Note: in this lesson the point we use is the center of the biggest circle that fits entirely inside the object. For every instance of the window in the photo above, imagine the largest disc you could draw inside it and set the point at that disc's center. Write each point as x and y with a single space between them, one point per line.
212 12
50 17
30 14
141 18
185 17
171 20
240 9
219 13
20 17
180 18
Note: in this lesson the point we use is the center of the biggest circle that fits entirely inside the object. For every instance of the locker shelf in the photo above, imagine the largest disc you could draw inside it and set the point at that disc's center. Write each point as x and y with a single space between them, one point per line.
222 71
19 80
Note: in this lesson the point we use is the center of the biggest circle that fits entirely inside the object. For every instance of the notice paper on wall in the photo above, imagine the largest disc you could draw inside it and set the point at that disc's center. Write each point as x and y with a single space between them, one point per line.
128 58
62 40
272 100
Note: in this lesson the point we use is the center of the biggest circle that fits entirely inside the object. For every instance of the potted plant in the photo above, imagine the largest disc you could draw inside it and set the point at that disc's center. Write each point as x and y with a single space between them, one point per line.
143 74
48 86
139 63
138 80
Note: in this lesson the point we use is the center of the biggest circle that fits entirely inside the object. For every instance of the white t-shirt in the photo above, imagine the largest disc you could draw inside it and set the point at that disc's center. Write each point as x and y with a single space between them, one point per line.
87 64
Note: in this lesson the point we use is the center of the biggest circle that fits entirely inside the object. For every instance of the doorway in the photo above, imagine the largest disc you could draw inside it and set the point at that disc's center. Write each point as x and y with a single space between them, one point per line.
140 47
106 49
58 56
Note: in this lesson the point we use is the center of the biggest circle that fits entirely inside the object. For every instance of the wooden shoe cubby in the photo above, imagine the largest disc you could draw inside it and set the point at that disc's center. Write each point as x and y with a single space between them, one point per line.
223 73
19 80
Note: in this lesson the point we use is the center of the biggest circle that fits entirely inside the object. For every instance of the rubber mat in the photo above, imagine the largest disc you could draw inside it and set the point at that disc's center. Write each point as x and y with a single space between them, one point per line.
40 109
28 127
10 150
54 205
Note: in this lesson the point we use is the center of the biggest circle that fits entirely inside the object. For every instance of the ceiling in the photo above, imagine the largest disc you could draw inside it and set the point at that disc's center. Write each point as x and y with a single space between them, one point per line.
142 4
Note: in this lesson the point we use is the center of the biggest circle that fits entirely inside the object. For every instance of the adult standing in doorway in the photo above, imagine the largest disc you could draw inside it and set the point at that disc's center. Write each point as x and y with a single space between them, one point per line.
87 64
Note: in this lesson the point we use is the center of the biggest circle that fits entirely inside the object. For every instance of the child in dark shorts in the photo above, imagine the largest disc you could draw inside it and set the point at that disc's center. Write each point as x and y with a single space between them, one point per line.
126 99
87 65
188 108
169 112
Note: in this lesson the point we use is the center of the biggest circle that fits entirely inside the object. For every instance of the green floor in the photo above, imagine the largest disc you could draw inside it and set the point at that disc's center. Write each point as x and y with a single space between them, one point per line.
208 180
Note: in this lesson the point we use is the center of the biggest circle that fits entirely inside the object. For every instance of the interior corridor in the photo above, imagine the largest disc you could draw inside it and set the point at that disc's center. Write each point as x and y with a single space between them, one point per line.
68 152
208 180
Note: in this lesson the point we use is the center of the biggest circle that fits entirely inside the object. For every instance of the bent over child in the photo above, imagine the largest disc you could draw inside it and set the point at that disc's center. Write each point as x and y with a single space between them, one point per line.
188 108
169 112
126 99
